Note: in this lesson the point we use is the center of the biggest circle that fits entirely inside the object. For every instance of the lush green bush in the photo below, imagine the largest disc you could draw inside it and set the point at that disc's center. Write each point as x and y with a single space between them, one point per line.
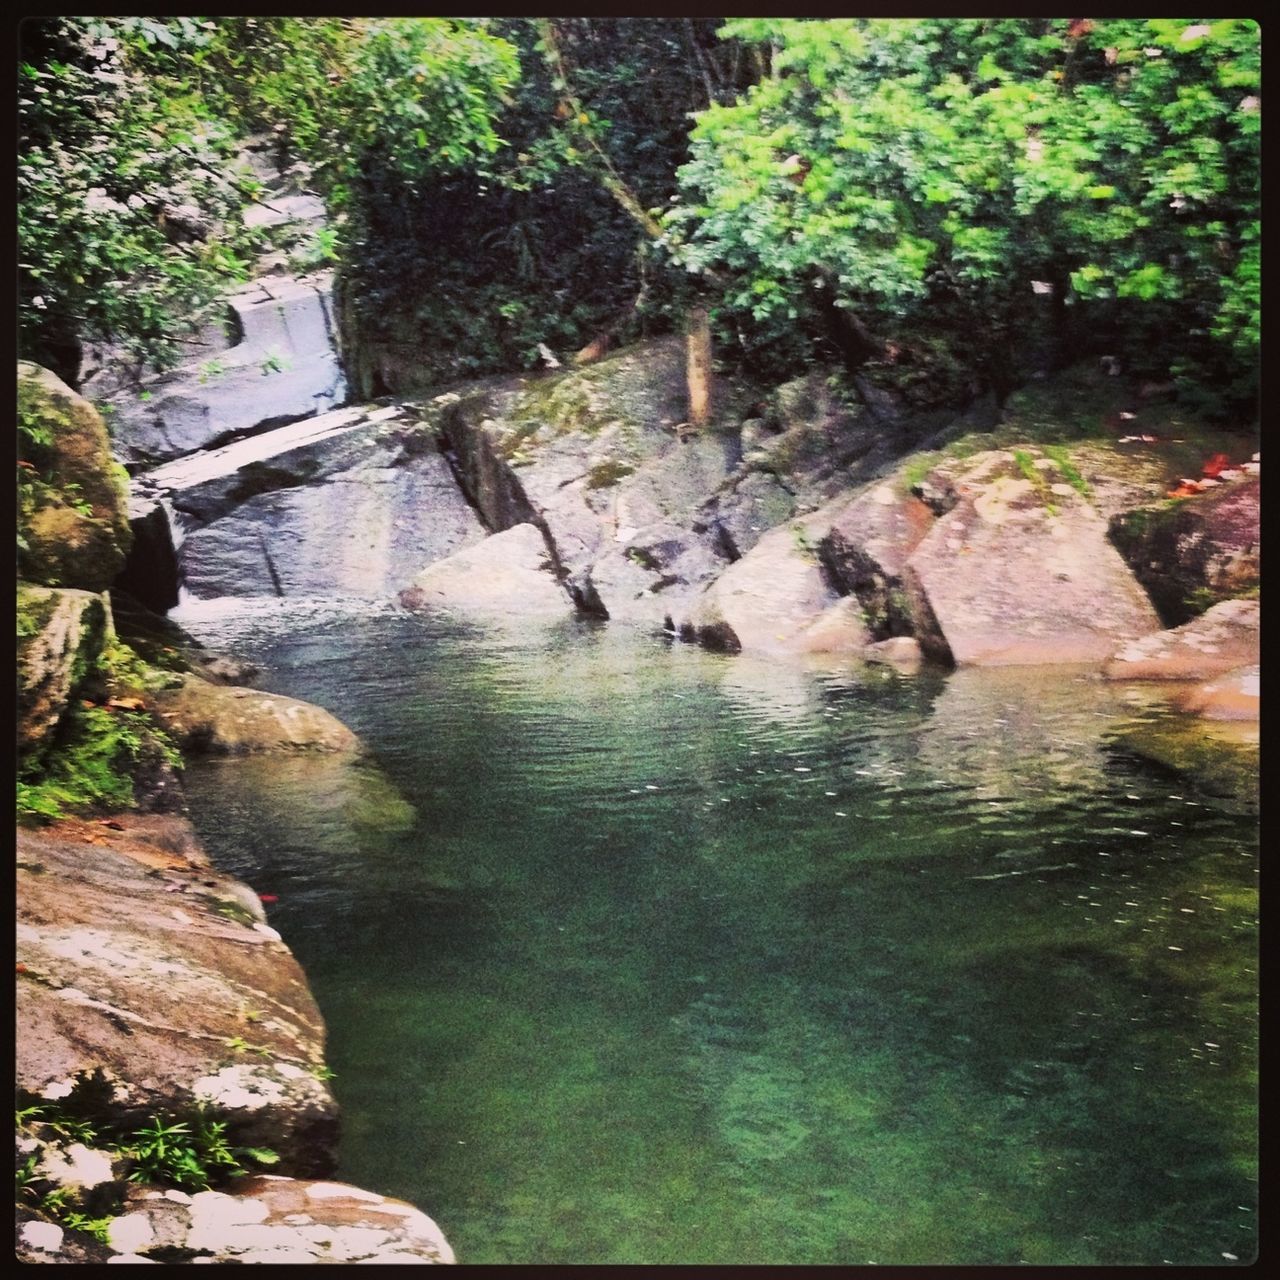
896 178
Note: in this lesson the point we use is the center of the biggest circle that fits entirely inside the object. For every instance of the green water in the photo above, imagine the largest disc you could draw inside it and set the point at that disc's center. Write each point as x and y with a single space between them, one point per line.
694 959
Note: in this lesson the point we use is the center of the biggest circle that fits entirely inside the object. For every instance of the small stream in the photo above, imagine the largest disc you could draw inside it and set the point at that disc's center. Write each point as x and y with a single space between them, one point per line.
678 958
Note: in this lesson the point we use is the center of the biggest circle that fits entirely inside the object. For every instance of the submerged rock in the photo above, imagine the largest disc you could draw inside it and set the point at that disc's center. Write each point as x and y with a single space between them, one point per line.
226 720
138 959
73 525
1233 696
1221 640
903 652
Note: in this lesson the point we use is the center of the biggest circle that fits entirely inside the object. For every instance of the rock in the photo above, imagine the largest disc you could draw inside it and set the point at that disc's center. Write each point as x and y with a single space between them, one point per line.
226 720
354 502
137 958
1019 571
1221 640
37 1240
866 550
1194 552
283 368
1233 696
60 637
757 502
772 599
903 652
509 573
282 1220
73 517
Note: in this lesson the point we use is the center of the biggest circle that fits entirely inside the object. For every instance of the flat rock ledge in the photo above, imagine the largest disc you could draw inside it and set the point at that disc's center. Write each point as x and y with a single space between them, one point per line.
137 959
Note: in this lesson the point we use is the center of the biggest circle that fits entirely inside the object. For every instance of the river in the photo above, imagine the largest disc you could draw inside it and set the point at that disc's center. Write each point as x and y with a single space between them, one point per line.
684 958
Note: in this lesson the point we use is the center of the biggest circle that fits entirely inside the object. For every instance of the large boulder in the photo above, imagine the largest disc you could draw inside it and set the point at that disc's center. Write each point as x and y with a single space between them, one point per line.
220 719
60 638
1019 571
73 521
138 960
1221 640
508 574
354 502
1192 552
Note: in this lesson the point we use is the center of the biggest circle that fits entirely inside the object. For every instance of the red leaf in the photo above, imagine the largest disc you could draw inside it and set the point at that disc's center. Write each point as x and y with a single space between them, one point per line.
1216 465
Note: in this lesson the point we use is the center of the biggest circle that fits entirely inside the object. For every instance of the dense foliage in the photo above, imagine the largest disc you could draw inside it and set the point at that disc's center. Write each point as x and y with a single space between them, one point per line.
893 182
941 203
128 222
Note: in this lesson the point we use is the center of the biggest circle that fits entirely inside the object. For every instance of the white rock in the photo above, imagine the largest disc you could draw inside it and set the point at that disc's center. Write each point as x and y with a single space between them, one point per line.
130 1233
76 1165
45 1236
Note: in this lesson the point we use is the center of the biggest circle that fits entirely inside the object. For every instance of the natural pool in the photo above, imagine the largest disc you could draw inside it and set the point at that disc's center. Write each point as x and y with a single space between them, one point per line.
694 959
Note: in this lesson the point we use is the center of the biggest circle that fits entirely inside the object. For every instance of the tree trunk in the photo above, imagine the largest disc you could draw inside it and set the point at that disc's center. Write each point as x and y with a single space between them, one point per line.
698 371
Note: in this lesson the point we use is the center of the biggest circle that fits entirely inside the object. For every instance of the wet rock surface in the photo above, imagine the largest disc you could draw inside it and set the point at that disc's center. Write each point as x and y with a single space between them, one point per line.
1224 638
217 719
137 958
1233 696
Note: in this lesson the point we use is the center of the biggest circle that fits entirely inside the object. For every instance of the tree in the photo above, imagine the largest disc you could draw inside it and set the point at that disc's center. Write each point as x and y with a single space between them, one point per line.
896 190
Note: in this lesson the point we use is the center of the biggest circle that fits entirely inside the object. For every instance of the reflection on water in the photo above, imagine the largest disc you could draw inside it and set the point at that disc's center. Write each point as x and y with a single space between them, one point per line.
687 959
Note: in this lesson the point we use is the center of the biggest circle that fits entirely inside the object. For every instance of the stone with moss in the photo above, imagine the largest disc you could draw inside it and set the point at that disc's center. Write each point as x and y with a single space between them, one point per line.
61 635
73 524
1194 552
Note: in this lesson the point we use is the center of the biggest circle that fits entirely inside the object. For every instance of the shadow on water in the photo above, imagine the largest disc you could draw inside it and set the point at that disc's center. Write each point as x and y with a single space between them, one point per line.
658 956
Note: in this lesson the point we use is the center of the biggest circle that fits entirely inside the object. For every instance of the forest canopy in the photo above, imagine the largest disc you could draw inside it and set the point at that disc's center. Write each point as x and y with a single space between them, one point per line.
904 197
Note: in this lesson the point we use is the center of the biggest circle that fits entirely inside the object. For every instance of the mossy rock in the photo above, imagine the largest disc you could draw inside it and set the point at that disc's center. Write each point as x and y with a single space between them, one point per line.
61 635
73 528
1193 553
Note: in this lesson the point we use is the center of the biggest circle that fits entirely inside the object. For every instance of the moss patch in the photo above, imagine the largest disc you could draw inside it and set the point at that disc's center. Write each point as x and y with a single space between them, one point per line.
606 474
92 762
